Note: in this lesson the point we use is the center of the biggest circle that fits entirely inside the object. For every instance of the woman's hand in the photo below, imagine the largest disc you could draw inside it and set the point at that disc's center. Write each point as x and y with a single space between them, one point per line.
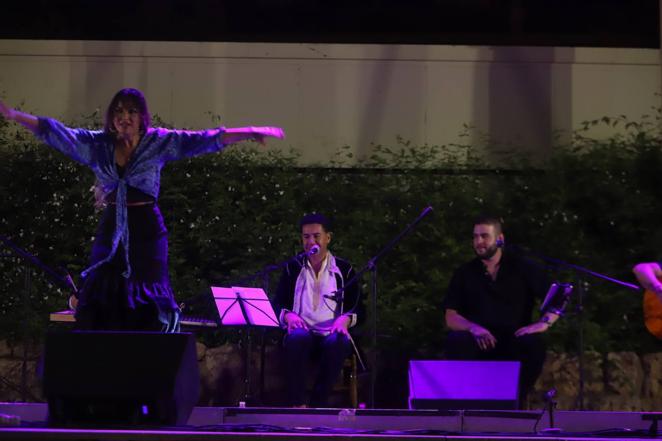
260 133
28 121
257 134
6 112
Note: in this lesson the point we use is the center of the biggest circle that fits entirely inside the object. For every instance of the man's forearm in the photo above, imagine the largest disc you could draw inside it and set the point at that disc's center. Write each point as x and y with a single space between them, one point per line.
549 318
456 322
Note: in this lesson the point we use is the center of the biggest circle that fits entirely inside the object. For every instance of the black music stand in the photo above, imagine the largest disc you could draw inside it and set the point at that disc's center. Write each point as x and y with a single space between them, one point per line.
564 293
244 306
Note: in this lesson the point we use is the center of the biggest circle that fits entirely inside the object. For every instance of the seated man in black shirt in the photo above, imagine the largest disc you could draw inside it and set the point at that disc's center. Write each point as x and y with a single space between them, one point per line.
489 305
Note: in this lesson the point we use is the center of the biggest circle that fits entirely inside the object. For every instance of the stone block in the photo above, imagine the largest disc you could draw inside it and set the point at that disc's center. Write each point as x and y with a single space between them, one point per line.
624 374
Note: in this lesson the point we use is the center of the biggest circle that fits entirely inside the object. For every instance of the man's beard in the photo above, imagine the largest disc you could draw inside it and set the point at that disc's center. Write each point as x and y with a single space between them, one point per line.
488 253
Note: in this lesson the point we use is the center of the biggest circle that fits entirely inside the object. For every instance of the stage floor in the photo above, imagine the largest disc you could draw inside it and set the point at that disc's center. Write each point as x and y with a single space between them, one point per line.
232 423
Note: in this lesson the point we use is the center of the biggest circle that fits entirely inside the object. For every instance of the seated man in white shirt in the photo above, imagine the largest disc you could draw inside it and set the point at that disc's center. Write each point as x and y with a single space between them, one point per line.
317 307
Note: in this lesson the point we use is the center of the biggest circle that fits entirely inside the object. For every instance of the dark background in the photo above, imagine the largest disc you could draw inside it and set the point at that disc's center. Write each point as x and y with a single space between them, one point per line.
599 23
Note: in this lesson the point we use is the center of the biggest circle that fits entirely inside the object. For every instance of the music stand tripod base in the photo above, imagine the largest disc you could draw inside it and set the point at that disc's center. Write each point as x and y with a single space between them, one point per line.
249 307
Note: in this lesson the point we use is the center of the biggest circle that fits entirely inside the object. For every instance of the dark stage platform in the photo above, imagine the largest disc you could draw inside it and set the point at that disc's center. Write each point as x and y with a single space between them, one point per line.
214 423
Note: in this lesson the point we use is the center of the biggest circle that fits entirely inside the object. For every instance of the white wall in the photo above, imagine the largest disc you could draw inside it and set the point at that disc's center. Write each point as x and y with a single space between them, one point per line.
330 95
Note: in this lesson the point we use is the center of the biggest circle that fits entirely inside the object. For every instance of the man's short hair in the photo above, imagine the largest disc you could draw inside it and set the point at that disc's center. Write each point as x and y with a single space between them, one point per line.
486 219
315 218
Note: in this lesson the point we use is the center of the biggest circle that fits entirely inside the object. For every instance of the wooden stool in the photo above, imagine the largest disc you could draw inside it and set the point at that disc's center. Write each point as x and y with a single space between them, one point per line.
348 382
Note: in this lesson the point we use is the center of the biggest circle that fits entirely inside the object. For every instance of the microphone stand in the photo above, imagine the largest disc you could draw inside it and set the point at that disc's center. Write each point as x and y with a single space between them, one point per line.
550 404
579 272
58 279
372 267
28 259
265 271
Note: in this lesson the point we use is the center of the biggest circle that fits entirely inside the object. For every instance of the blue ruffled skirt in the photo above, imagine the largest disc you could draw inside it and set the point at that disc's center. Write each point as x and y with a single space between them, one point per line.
144 301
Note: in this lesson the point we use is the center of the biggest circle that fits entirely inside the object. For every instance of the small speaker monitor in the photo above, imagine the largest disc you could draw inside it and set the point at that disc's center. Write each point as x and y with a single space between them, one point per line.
448 385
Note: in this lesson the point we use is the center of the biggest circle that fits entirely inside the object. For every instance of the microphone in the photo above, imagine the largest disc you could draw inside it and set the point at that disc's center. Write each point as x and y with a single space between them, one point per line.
336 296
313 250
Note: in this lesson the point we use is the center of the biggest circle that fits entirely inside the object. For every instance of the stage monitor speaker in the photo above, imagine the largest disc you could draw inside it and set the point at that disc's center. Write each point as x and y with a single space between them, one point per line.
448 385
120 378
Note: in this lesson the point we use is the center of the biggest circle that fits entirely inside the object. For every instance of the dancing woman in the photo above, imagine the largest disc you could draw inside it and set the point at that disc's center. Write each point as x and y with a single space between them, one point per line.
127 286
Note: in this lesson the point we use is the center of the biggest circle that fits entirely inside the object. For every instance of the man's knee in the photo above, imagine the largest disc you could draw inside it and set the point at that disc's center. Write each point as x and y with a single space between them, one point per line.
298 338
459 337
532 345
337 341
530 339
461 345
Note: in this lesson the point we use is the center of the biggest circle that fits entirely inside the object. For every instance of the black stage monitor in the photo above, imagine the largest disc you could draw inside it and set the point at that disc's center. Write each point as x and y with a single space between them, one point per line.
120 378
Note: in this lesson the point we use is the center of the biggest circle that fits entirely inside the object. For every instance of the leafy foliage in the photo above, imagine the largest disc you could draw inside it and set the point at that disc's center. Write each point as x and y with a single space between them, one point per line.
593 203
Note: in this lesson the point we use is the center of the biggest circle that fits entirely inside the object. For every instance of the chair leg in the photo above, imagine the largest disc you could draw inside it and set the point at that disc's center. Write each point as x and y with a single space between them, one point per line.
353 383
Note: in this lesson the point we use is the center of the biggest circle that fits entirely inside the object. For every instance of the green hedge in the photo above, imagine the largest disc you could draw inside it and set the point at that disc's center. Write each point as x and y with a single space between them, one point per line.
594 203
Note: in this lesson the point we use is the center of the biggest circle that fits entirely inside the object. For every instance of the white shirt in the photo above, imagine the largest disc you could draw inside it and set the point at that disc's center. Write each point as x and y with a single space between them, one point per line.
310 296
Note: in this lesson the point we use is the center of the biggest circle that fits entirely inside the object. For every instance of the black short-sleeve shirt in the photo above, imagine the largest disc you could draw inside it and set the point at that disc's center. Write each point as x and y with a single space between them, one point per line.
503 305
